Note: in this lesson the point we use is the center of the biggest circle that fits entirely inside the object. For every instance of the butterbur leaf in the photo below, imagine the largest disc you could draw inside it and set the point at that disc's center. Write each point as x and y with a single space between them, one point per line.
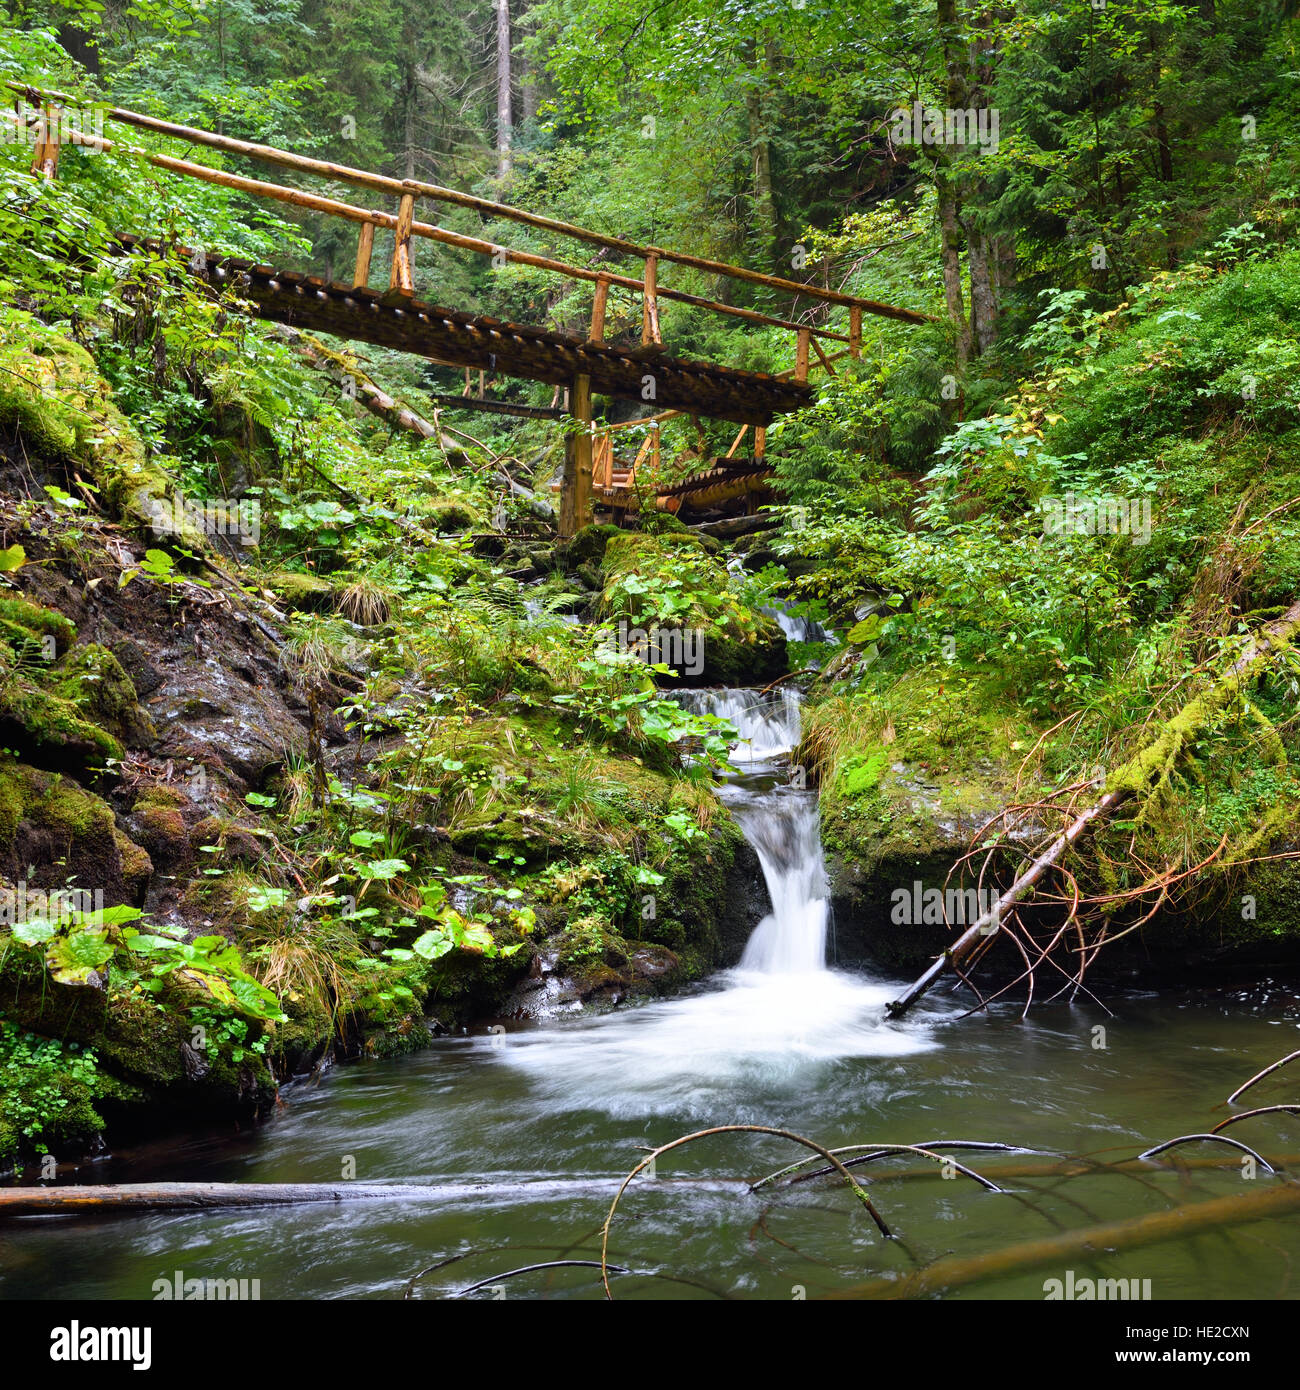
433 945
384 868
33 933
13 558
72 959
255 999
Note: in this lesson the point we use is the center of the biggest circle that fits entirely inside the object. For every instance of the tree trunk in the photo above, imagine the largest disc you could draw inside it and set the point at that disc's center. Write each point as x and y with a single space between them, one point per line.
408 126
950 258
760 146
983 291
504 118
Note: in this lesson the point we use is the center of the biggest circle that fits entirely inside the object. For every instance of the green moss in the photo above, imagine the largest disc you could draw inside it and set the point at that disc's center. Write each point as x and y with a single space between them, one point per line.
61 805
23 621
303 592
52 393
137 867
93 679
50 724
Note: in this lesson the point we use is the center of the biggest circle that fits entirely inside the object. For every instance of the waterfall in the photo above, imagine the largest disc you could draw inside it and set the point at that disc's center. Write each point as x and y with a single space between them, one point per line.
783 826
768 724
786 835
763 1026
798 629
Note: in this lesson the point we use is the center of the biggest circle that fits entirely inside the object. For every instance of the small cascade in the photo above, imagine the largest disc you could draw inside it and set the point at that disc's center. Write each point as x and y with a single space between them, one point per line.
768 723
783 826
798 629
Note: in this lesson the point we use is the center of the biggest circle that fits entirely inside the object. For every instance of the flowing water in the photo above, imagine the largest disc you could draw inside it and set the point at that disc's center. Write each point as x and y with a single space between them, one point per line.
527 1133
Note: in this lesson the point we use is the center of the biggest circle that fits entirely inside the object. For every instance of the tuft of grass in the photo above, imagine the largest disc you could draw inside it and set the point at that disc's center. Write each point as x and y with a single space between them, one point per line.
366 602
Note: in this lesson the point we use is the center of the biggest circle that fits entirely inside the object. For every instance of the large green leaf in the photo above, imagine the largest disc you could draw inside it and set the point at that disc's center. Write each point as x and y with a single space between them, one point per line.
73 958
433 945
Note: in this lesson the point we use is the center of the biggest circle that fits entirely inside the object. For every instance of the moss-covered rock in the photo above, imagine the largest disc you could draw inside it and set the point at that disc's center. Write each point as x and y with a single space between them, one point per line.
53 396
304 593
672 582
54 832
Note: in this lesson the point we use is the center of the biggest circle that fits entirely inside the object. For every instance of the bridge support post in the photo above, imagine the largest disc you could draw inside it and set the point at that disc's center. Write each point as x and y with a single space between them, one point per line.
402 281
575 492
45 159
365 247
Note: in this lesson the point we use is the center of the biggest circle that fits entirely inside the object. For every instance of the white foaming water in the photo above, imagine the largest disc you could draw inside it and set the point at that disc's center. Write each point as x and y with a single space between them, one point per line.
780 1013
768 724
785 833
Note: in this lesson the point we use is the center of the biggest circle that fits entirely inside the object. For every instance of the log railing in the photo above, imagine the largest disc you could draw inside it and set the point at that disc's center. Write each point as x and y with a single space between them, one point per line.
406 228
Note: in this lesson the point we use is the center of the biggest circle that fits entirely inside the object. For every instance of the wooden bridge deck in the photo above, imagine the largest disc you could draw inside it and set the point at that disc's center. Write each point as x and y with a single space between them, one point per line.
477 340
396 318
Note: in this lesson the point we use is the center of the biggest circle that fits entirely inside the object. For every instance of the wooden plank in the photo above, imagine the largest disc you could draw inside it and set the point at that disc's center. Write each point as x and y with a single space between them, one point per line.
598 305
45 158
855 331
575 494
583 447
826 362
801 355
650 303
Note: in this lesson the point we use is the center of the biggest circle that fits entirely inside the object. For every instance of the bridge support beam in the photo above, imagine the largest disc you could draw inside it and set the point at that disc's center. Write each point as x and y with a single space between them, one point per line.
575 492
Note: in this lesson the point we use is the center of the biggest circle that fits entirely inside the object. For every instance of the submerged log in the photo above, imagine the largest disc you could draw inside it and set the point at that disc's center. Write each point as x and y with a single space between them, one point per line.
197 1196
1091 1243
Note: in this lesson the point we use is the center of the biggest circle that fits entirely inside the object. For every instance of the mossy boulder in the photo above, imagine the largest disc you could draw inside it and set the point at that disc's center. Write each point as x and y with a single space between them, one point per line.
54 832
587 547
66 706
53 397
305 593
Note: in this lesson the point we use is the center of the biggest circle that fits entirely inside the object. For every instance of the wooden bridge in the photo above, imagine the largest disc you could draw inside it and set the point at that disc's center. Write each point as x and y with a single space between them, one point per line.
393 316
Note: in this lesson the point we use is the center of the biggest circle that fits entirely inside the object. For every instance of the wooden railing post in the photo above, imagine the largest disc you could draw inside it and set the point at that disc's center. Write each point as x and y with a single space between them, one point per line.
855 331
650 303
801 355
45 160
760 441
365 246
575 494
597 335
402 279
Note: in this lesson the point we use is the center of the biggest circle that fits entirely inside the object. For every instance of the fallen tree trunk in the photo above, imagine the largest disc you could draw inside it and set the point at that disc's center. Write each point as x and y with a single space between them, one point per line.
373 397
1088 1244
197 1196
1150 766
731 526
